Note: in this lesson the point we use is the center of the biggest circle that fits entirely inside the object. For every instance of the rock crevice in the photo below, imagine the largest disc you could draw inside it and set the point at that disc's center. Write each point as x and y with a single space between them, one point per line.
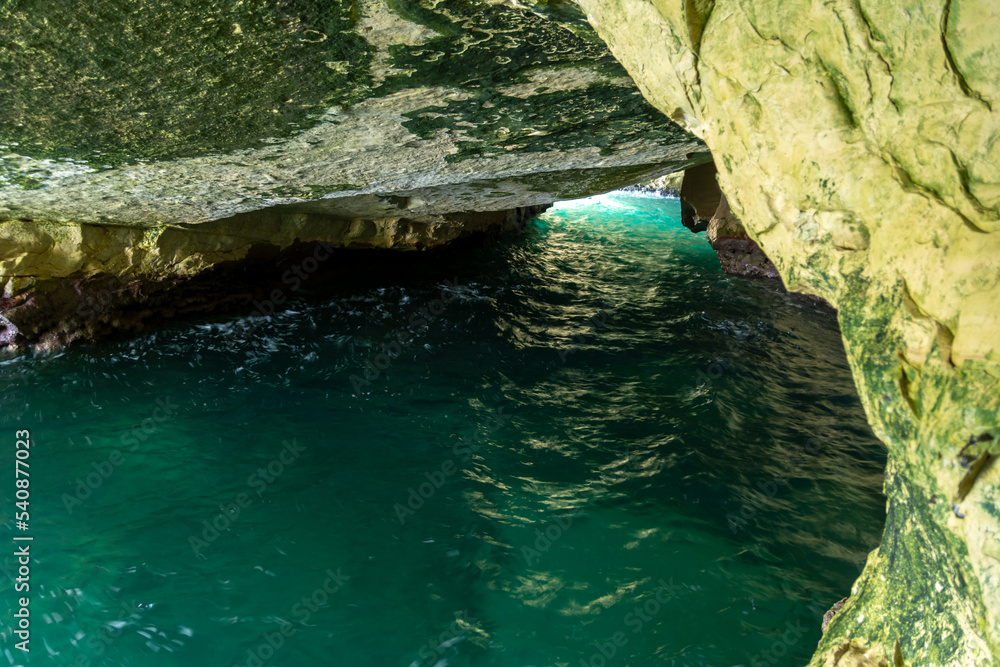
704 208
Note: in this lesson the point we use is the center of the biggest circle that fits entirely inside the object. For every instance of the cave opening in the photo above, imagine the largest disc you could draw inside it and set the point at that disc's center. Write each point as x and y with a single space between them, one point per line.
581 441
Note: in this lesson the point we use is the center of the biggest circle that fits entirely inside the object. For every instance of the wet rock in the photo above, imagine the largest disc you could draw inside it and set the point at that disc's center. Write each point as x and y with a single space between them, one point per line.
738 253
859 145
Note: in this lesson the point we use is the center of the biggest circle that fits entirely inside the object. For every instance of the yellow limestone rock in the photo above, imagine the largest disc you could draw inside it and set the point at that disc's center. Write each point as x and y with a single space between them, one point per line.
859 143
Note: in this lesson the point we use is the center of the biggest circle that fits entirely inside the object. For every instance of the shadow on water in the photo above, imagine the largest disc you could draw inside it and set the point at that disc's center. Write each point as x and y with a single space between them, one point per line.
582 446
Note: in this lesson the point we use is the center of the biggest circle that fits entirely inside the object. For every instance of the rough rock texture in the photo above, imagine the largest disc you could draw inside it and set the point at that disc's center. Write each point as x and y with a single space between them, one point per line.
144 139
92 281
664 186
859 142
235 109
738 253
705 208
669 185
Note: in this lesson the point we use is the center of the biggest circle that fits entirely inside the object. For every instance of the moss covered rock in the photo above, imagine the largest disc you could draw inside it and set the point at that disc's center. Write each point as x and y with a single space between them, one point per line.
859 143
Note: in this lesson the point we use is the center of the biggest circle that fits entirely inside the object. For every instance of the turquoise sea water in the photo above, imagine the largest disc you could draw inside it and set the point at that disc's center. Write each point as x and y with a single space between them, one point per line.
585 445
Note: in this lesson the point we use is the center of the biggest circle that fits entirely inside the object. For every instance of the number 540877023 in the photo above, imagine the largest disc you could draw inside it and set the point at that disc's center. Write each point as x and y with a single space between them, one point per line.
22 453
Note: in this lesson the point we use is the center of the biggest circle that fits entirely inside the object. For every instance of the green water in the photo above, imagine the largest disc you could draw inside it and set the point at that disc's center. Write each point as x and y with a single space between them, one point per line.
592 447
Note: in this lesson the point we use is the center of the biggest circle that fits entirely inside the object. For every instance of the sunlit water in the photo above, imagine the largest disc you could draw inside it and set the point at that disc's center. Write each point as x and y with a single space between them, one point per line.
589 446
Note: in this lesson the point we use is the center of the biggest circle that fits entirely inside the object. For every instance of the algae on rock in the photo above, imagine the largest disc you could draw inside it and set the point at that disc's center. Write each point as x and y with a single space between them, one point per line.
150 113
859 143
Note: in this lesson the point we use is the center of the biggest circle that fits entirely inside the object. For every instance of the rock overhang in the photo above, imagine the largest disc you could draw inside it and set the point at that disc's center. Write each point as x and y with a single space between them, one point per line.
148 143
185 112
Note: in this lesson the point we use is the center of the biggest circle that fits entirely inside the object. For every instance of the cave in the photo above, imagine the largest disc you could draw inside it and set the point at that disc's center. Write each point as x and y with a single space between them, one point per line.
593 275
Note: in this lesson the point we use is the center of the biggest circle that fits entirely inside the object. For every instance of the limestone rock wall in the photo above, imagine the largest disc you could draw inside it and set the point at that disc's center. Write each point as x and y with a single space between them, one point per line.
738 253
85 282
859 143
704 208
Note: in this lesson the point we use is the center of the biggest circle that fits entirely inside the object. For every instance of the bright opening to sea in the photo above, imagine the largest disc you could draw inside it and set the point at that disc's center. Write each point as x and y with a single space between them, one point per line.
584 445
